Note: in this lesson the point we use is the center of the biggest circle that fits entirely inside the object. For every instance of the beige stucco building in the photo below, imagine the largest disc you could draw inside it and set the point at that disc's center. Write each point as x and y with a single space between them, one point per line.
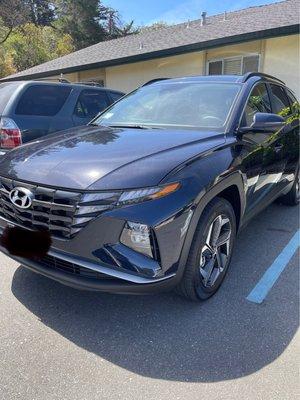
264 39
277 56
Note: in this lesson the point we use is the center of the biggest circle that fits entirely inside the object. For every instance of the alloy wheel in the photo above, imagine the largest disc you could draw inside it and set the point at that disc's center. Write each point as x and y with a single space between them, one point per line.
216 251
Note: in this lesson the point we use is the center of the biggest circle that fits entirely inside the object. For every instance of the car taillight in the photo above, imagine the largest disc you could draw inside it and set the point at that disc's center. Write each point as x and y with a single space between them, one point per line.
10 134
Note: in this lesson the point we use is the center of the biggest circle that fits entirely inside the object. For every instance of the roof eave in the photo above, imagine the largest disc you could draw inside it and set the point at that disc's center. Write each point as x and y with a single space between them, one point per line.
235 39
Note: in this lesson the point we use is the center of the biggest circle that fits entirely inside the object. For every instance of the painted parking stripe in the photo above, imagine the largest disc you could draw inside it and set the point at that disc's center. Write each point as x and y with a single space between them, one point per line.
260 291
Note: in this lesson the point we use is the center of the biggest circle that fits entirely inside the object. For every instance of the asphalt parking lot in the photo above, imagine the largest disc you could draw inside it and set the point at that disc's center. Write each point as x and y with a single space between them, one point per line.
60 343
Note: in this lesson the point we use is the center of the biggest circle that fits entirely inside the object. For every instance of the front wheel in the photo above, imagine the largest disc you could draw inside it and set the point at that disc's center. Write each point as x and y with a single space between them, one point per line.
210 251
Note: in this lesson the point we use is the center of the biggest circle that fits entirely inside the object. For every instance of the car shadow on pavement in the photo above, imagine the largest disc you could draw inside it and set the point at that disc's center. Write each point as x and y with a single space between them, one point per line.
164 336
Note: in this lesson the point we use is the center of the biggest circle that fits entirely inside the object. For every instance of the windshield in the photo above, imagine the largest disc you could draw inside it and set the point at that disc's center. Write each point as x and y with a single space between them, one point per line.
190 105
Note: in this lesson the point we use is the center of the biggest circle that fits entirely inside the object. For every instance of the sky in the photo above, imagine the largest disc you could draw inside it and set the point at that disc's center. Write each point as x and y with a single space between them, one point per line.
146 12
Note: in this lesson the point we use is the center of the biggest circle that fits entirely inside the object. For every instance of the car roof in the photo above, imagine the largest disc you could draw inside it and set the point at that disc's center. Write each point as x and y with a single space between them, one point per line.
218 78
66 84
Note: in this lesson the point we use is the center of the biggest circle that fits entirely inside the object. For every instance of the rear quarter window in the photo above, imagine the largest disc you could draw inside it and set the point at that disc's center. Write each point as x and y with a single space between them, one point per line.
6 91
294 102
43 100
281 105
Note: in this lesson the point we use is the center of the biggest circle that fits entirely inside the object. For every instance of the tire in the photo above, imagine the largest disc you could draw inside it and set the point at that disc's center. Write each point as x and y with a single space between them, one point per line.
196 285
292 198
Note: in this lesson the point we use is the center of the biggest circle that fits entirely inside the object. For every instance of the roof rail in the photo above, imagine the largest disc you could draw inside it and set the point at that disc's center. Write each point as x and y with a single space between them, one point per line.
89 83
249 75
153 81
60 80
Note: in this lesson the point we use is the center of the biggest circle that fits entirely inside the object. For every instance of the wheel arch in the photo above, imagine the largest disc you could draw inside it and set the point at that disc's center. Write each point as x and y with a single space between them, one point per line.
231 188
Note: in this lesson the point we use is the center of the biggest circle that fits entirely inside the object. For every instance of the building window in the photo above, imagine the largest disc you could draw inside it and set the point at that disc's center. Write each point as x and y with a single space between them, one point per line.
233 65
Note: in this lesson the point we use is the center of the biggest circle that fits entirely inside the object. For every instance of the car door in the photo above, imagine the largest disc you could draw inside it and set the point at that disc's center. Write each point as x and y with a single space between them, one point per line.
286 105
256 149
90 102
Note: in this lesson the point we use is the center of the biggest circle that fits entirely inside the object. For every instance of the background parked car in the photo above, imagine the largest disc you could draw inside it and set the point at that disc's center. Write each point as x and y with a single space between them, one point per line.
32 109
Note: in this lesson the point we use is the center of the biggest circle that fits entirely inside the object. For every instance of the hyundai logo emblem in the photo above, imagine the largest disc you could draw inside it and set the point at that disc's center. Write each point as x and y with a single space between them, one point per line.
21 197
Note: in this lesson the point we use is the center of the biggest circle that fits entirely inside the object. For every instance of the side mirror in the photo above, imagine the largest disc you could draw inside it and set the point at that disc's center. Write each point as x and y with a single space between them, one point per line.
264 122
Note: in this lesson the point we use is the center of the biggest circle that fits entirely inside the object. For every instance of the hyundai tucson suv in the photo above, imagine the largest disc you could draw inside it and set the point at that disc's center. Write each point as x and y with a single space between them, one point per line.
30 110
151 194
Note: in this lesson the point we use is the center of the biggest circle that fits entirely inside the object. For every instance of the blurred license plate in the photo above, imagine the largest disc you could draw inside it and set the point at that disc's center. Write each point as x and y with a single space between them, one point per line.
25 243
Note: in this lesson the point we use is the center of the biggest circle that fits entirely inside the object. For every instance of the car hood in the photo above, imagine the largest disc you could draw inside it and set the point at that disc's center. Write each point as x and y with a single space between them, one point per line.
101 158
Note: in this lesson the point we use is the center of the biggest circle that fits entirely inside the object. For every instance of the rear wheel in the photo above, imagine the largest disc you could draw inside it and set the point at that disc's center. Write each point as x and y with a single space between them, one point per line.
292 198
210 251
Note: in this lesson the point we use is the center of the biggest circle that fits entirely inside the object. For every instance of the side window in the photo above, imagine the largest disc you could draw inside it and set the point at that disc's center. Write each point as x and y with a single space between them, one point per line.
115 96
258 102
43 100
90 103
293 101
281 105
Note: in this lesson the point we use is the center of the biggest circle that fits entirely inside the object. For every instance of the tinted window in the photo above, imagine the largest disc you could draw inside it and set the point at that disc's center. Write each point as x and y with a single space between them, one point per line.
115 96
43 100
179 104
6 91
293 101
90 103
281 103
258 102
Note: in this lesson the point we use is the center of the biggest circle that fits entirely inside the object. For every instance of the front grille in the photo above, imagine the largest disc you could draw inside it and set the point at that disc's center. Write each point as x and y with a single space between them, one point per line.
55 263
62 213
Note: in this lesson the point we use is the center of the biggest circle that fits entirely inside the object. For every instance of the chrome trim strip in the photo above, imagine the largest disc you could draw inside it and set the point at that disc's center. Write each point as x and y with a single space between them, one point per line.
107 271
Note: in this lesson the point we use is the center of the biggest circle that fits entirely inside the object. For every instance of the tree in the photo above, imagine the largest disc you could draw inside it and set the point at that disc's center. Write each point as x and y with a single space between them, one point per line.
31 45
89 22
12 15
36 31
114 25
41 12
6 63
82 20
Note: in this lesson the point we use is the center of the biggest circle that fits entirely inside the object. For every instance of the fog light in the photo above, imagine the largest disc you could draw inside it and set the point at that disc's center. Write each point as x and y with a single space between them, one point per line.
137 237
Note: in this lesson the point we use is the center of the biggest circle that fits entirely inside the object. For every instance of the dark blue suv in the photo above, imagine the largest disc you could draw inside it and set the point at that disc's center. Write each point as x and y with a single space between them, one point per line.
32 109
151 194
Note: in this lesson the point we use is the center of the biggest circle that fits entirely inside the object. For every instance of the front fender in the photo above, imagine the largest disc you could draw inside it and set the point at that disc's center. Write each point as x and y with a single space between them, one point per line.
234 179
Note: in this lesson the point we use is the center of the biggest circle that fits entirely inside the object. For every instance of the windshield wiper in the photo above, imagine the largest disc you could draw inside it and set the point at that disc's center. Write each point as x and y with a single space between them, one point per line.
136 126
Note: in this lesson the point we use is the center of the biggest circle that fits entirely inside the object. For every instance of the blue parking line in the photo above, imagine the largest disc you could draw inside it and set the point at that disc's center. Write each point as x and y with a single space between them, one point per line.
260 291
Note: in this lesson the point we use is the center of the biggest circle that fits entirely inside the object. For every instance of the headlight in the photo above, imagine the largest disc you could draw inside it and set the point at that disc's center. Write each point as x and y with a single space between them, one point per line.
138 195
92 204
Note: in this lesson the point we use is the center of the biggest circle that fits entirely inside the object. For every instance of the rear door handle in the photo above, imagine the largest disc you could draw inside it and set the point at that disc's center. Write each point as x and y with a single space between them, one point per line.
278 147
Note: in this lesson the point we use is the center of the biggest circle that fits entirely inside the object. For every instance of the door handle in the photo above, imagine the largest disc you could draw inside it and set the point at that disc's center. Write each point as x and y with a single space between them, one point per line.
278 147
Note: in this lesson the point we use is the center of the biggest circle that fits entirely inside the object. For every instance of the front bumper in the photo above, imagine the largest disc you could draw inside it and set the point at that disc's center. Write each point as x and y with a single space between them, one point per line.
119 269
115 285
